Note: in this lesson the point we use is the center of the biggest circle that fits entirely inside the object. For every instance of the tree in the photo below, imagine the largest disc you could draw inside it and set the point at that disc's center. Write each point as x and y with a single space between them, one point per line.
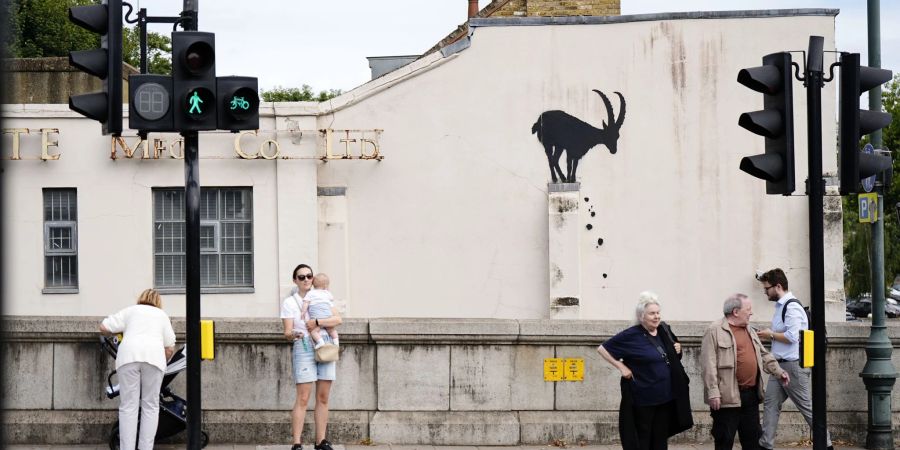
159 50
304 94
41 28
857 237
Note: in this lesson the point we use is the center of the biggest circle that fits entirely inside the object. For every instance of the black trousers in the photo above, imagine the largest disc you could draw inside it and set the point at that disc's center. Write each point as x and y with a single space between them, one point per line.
652 424
744 420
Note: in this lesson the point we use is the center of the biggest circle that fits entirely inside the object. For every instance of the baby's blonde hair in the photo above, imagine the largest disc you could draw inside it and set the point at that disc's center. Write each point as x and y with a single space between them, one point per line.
321 281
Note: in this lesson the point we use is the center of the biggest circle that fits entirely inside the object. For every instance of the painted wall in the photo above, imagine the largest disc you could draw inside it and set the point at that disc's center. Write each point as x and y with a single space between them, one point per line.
454 221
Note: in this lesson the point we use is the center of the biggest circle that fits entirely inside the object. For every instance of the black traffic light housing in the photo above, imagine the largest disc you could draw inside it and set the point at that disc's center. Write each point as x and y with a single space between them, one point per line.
238 99
150 98
194 80
105 63
855 123
775 122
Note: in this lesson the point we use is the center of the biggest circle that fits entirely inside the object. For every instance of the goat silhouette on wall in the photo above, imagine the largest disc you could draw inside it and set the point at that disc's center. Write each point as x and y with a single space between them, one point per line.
561 132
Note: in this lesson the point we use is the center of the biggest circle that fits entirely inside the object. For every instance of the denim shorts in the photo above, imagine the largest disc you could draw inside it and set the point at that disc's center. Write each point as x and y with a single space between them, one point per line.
306 369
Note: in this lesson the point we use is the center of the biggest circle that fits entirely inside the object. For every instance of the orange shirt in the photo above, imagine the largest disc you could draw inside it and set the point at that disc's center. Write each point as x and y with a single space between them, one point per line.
745 366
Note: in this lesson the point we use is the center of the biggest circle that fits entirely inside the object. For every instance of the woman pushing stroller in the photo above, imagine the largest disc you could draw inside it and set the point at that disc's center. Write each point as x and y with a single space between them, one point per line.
147 344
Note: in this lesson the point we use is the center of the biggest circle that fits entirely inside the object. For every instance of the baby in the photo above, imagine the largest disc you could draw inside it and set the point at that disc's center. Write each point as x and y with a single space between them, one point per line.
317 305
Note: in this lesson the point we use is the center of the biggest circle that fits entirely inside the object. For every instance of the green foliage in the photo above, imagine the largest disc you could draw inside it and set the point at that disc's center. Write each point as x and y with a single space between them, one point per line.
41 28
304 94
159 50
857 236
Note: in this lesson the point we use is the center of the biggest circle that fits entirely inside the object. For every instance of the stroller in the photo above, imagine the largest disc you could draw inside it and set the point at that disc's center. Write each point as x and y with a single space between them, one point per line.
172 408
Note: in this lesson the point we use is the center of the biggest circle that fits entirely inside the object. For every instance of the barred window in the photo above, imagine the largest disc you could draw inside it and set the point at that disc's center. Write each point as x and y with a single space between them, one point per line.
60 241
226 239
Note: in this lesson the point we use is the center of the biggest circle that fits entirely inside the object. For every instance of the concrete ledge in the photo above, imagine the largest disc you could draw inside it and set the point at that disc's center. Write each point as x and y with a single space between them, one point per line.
445 428
449 331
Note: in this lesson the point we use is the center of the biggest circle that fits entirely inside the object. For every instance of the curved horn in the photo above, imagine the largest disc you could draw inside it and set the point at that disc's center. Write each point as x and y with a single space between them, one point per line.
621 117
609 108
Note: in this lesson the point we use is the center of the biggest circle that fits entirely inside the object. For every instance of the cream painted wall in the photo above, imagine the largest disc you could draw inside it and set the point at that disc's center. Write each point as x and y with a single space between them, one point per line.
453 222
115 216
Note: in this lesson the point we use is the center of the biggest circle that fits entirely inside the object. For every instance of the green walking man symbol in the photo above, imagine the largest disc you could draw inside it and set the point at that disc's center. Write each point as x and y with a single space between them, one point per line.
195 103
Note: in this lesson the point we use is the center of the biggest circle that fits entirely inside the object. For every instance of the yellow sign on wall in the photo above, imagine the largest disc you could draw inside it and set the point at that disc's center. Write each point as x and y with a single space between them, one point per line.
573 369
564 369
553 369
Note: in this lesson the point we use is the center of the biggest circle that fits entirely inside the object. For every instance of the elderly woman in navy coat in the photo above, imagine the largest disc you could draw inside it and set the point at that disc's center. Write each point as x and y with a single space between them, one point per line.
655 402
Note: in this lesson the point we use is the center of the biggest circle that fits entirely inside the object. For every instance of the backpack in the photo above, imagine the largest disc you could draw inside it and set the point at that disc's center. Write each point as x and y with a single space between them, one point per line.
805 309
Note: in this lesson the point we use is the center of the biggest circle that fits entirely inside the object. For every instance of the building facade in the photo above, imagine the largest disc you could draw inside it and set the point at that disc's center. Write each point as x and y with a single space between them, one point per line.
441 208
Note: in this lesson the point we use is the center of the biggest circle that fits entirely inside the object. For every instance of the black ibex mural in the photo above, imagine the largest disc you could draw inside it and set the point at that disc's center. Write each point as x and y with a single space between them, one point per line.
560 132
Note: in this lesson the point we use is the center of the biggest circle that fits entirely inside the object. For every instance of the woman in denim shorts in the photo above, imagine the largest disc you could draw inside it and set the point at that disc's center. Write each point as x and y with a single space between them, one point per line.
305 368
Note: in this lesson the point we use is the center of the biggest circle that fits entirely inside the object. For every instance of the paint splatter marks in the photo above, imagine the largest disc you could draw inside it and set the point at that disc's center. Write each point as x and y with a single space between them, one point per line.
604 275
589 227
599 242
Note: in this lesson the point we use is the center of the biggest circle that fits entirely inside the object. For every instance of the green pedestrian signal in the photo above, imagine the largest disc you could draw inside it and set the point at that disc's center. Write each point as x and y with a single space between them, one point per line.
199 103
195 102
194 80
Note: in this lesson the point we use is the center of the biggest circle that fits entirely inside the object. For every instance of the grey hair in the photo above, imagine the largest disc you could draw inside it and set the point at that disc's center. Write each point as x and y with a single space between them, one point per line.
645 299
733 302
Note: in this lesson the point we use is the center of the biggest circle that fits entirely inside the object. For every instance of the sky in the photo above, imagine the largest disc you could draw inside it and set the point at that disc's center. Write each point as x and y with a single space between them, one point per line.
325 43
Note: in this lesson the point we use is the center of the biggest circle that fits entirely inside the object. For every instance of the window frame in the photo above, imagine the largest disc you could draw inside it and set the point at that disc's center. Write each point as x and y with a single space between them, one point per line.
218 249
51 252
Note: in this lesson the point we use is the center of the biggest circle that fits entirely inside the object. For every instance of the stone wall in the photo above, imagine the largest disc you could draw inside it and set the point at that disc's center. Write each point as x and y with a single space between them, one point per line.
51 80
556 8
403 381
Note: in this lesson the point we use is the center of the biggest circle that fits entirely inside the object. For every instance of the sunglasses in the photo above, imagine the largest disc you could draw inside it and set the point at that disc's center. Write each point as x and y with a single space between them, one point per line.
308 276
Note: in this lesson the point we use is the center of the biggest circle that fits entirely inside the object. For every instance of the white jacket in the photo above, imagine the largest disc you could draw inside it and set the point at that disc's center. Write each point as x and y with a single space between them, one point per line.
147 333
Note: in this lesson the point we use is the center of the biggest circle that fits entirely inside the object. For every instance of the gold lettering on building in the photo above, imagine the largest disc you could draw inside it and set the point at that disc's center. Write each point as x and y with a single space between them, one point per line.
15 132
119 142
362 141
46 143
347 142
270 144
328 136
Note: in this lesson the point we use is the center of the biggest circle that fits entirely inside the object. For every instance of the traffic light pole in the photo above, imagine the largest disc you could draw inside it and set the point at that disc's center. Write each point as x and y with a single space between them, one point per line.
814 81
192 286
192 264
879 373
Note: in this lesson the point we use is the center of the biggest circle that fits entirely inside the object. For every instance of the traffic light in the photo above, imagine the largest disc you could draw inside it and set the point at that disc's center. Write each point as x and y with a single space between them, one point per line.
238 103
194 80
105 63
775 122
856 123
151 103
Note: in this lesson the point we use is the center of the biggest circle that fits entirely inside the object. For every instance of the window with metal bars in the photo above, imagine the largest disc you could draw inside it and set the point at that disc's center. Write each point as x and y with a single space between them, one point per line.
226 239
60 241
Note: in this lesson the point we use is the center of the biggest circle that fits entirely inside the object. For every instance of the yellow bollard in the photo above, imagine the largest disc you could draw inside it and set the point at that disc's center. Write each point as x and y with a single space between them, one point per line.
807 345
207 339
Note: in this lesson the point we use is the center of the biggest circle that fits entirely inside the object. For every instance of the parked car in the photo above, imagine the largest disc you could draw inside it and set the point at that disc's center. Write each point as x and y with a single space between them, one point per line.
894 291
863 307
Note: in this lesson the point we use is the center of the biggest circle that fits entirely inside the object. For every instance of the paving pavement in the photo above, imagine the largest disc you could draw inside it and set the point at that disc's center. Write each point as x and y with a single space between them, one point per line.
704 446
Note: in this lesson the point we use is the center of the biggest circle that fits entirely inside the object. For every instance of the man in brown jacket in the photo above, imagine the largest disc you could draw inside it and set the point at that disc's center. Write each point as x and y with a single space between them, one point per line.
732 360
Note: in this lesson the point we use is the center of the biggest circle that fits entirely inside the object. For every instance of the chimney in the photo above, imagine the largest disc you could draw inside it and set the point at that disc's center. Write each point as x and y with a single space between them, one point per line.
473 8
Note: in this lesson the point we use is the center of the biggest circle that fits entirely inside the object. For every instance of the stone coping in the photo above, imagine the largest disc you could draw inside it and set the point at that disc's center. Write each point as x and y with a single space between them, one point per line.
689 15
413 330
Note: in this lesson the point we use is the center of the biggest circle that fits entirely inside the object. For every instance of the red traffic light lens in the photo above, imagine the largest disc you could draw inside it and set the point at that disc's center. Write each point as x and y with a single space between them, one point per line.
199 57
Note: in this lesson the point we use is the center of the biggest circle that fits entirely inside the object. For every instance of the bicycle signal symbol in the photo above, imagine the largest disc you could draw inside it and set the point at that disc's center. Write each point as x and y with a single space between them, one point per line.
239 102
